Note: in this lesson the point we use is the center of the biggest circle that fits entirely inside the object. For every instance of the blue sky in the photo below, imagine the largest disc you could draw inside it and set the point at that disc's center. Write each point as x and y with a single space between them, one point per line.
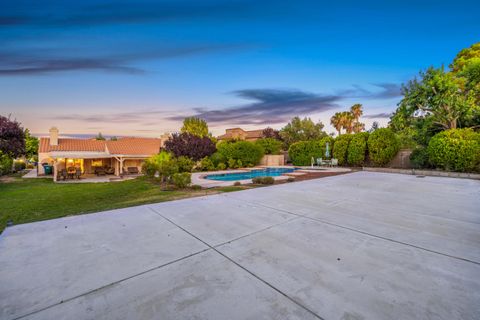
139 67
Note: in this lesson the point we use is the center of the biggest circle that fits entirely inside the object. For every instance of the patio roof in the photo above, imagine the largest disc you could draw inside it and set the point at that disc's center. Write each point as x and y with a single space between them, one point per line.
80 155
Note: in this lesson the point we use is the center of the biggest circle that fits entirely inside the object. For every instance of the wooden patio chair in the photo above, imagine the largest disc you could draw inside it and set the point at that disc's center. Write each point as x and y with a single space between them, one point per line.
132 170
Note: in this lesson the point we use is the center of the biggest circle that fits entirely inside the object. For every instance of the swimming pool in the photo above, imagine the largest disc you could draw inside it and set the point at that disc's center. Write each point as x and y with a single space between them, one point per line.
267 172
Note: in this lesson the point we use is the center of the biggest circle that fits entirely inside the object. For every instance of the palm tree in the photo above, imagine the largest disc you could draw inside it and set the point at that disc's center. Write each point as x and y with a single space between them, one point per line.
356 111
347 120
336 122
358 127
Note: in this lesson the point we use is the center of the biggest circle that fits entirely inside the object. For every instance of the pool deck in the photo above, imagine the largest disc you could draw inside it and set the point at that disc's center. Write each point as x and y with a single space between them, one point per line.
198 178
355 246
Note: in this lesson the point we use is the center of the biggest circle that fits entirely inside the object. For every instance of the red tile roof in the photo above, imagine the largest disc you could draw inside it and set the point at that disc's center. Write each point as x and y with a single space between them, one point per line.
122 146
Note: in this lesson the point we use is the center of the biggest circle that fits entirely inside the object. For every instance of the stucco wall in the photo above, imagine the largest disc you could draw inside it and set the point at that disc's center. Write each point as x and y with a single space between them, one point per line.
273 160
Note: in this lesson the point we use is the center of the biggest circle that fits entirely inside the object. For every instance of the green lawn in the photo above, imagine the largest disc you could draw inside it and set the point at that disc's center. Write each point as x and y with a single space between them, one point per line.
28 200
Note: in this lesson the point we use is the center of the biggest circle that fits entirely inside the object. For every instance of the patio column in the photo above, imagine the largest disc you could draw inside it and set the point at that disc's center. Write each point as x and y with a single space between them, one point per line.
55 170
121 165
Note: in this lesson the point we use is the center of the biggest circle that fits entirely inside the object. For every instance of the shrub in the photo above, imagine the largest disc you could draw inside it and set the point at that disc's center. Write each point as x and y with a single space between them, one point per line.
263 180
163 163
182 180
301 153
383 145
237 183
206 164
218 158
290 179
419 158
270 145
189 145
455 149
196 187
245 153
19 166
221 166
357 149
232 164
185 164
6 163
340 148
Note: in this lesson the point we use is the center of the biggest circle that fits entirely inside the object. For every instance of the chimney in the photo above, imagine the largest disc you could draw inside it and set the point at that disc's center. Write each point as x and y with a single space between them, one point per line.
53 136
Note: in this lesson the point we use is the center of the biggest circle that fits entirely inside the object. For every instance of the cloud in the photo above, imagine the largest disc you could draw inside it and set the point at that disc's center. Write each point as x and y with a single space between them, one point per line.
390 90
16 63
271 106
124 12
141 117
383 115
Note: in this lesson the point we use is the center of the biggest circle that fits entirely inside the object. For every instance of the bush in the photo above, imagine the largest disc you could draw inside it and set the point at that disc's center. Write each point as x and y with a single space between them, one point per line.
245 153
357 149
263 180
291 179
232 164
237 183
270 145
196 187
383 145
301 153
218 158
19 166
182 180
221 166
5 164
185 164
206 164
455 149
340 148
189 145
163 163
419 158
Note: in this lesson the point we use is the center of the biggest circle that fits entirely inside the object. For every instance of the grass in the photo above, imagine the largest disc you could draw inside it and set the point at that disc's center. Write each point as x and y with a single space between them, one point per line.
28 200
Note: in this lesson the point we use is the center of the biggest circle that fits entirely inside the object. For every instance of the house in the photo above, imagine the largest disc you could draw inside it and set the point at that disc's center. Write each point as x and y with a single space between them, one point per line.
240 134
89 154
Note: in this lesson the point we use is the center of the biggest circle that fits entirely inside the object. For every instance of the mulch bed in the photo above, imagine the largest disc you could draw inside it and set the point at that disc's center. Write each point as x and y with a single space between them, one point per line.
315 175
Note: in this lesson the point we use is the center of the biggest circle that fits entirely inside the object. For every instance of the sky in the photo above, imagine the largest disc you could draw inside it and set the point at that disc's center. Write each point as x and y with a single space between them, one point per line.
137 68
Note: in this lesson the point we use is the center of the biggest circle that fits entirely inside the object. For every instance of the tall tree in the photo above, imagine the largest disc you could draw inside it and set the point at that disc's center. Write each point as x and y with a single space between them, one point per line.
336 122
189 145
99 136
195 126
271 133
357 111
31 145
12 138
301 130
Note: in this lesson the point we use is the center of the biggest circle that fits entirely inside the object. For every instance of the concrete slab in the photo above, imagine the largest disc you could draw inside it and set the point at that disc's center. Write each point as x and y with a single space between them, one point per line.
432 213
48 262
218 219
340 274
204 286
357 246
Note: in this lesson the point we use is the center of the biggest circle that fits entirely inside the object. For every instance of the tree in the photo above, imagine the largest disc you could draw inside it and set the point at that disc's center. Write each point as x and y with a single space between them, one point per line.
336 121
31 145
301 130
190 145
12 138
271 133
100 136
270 145
374 127
195 126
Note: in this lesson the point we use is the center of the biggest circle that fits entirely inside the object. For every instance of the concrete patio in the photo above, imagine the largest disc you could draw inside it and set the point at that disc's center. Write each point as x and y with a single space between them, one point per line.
362 245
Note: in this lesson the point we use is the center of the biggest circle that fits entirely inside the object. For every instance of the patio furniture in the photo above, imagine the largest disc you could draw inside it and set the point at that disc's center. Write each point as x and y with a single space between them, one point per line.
78 173
109 170
62 174
71 172
99 171
132 170
334 162
319 162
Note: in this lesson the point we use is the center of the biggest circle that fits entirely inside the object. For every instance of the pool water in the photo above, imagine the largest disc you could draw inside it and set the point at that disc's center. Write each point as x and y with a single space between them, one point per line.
267 172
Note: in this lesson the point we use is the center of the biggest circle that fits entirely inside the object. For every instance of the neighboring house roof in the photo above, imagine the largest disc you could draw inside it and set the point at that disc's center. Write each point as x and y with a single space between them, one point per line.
122 146
249 134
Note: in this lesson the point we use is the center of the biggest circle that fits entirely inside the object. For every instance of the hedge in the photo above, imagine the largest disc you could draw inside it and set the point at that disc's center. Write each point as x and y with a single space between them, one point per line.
270 145
244 153
383 145
455 149
301 152
340 148
357 149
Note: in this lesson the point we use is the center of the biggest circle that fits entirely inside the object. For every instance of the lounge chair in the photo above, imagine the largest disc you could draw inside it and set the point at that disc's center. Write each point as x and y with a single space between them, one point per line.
132 170
62 174
99 171
78 173
109 170
319 162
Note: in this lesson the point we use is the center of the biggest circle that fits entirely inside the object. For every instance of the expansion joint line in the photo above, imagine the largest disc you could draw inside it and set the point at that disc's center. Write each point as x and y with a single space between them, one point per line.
214 248
357 231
